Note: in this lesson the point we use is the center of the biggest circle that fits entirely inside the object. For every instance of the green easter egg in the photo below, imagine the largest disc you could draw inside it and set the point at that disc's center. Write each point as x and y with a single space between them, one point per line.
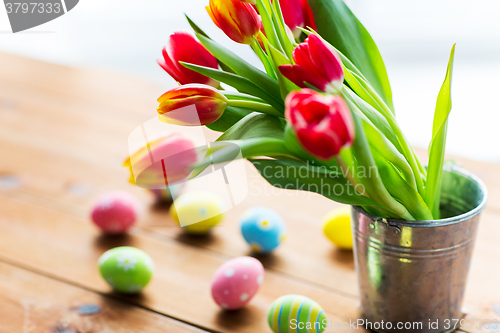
297 314
126 269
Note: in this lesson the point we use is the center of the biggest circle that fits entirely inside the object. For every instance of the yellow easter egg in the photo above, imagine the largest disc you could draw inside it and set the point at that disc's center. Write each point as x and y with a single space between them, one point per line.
198 212
337 227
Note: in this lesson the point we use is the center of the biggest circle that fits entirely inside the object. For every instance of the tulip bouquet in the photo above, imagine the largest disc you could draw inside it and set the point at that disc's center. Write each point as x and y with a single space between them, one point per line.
319 114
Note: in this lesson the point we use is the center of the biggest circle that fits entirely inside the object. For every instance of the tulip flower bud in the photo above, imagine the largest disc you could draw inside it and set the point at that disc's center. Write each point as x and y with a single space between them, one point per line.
162 162
316 63
191 105
323 123
238 20
293 15
184 47
253 2
308 15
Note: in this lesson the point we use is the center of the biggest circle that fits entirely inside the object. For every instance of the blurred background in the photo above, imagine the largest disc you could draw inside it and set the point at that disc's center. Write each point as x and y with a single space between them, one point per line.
414 37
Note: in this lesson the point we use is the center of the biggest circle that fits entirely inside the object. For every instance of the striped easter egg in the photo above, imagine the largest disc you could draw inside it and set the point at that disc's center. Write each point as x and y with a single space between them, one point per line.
296 314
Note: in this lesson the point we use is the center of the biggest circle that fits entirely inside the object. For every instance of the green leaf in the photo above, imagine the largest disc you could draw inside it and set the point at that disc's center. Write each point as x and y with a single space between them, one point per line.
380 145
401 190
198 30
271 33
227 151
232 95
295 175
254 125
265 59
195 27
238 82
230 117
378 65
396 173
438 142
279 23
379 121
338 25
373 183
403 145
360 90
243 68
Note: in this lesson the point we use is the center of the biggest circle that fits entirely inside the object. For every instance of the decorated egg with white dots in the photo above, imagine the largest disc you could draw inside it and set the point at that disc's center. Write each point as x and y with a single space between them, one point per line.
198 212
115 212
126 269
236 282
297 314
262 228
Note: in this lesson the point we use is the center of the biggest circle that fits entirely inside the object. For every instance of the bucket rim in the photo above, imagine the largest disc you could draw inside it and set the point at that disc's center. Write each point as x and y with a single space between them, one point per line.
441 222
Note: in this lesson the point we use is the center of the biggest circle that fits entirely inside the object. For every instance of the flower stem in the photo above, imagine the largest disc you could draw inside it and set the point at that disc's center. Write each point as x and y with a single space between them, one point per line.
263 58
373 184
407 150
346 170
389 116
255 106
227 151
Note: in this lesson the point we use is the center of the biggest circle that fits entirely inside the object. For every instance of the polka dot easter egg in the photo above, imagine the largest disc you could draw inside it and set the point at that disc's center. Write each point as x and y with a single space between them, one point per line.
126 269
236 282
115 212
297 314
337 227
263 229
198 212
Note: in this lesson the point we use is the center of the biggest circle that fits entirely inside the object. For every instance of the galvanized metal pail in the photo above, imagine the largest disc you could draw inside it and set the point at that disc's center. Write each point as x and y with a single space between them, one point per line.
412 274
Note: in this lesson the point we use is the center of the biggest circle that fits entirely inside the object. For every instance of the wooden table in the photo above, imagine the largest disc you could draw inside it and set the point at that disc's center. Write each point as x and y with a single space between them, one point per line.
63 137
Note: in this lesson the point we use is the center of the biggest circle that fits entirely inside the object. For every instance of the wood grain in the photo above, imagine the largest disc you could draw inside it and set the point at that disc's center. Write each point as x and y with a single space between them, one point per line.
33 303
59 245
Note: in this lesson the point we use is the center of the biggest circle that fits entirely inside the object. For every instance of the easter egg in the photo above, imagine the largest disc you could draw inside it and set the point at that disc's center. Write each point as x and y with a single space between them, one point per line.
115 212
236 282
262 228
337 227
126 269
297 314
198 212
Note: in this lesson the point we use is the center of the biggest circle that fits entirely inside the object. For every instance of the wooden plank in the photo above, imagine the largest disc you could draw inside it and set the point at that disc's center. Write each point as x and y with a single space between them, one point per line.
321 264
61 246
481 297
92 86
34 303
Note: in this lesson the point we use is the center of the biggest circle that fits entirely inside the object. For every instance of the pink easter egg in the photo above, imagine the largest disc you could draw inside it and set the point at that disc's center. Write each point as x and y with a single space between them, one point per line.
236 282
115 212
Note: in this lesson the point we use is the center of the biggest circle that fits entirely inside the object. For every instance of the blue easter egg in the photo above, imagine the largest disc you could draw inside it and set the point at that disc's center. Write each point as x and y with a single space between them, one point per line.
262 228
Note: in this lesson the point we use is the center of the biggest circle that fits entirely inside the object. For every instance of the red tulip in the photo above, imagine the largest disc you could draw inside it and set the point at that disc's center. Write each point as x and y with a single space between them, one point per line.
316 63
293 15
308 15
323 123
163 161
238 20
191 105
184 47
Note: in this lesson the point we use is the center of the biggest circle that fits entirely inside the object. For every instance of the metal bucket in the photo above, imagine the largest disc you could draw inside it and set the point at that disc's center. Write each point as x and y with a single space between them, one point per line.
412 274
